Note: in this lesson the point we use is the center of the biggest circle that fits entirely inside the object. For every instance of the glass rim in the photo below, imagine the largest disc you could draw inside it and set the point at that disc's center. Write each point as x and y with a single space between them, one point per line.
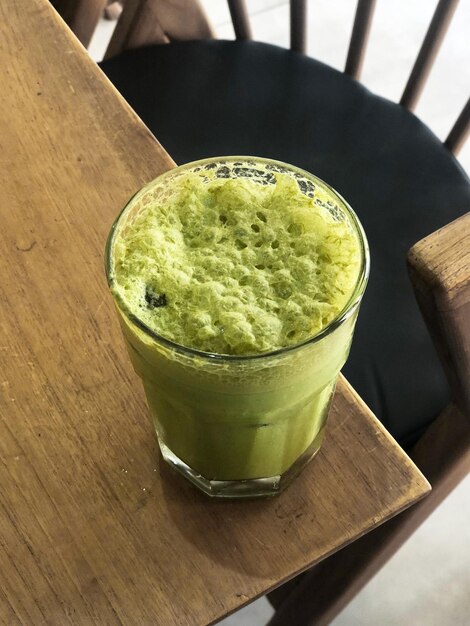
342 316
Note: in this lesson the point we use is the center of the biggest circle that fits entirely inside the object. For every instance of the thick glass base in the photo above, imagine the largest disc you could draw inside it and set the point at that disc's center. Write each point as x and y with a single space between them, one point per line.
249 488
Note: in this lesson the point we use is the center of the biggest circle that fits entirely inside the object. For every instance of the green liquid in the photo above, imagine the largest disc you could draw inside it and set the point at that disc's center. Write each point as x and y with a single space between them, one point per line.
235 267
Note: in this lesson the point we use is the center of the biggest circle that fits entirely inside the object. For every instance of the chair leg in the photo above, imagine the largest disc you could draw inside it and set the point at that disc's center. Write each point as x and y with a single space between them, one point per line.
82 16
316 597
113 10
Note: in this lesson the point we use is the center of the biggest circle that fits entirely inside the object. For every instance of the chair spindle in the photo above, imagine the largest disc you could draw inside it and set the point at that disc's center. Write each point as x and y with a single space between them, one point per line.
427 54
359 36
298 25
240 21
460 131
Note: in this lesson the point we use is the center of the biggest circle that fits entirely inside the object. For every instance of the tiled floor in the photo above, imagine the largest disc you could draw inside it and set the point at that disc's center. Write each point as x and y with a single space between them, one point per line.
427 583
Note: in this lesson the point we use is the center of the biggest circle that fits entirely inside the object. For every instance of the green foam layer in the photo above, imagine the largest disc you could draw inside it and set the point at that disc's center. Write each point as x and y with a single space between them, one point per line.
231 266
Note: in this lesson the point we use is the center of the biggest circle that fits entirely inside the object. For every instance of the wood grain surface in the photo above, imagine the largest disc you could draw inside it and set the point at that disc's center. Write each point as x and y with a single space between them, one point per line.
94 529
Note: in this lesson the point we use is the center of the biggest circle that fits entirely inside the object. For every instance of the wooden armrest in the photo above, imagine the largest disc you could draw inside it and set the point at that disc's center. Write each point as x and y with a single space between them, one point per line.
439 268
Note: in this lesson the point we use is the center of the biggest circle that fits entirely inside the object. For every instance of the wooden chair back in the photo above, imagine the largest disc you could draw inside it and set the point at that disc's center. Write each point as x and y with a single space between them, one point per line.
146 22
439 267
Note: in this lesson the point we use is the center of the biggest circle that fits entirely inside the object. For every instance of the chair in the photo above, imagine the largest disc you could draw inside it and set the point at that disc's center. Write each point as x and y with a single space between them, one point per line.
203 97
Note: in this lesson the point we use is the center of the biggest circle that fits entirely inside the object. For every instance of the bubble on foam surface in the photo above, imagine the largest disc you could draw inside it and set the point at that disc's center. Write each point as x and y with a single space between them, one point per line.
236 266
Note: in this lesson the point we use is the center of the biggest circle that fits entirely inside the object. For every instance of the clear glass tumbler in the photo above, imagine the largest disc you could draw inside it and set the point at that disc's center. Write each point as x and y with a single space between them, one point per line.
239 426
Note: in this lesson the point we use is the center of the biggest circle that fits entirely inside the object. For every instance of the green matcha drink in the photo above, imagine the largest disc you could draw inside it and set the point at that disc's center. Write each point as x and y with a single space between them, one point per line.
237 283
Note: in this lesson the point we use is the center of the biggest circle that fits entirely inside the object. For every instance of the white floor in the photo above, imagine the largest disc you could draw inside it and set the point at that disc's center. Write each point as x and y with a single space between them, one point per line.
427 583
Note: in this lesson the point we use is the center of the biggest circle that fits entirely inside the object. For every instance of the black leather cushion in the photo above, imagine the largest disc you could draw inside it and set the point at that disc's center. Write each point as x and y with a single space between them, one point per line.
245 98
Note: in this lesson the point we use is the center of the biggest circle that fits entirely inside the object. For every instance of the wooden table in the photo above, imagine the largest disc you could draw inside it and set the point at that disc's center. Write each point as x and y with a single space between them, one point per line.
93 527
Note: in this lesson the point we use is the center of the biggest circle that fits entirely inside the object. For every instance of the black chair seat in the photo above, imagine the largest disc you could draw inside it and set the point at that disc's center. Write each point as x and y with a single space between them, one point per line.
214 98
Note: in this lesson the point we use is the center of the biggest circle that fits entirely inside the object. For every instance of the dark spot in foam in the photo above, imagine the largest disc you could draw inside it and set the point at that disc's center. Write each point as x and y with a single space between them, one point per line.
153 299
223 172
294 229
306 187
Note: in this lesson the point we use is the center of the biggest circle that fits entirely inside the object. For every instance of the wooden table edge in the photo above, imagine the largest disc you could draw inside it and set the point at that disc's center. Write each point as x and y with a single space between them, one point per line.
366 410
286 579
